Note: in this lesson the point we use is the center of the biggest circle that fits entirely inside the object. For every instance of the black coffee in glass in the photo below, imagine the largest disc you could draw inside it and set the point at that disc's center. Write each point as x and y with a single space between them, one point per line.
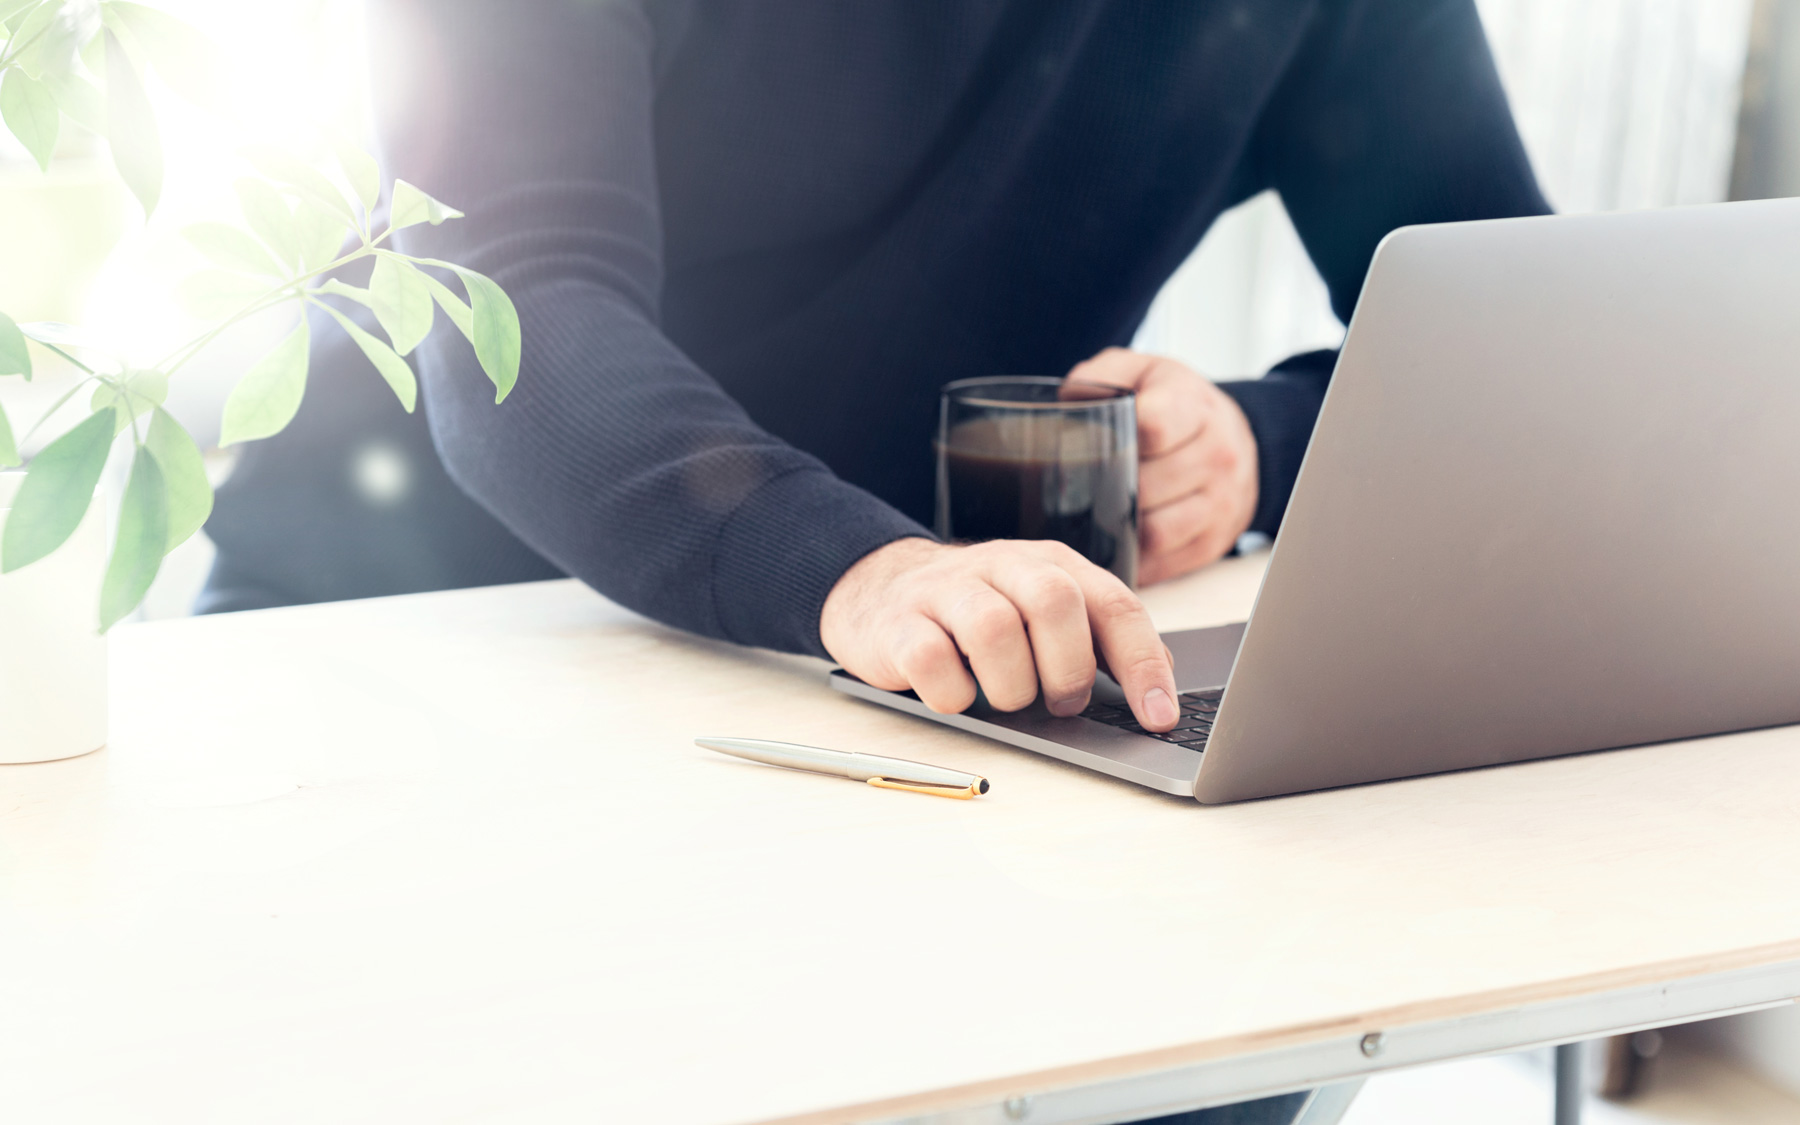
1029 457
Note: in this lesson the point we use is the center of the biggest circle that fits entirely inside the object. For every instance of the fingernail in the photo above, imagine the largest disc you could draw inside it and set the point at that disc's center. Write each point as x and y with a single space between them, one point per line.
1070 705
1159 708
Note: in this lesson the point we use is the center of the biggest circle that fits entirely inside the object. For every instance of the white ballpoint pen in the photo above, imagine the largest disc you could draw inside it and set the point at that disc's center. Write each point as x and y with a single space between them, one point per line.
886 773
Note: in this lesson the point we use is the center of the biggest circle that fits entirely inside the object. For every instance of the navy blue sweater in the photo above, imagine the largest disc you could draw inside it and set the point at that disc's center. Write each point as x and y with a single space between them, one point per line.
749 239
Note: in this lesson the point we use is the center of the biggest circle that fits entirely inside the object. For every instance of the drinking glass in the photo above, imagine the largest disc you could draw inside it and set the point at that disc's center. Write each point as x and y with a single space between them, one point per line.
1032 457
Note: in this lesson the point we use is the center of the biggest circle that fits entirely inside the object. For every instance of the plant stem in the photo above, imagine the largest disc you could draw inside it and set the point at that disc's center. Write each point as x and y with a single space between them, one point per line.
58 405
187 351
285 291
67 356
282 292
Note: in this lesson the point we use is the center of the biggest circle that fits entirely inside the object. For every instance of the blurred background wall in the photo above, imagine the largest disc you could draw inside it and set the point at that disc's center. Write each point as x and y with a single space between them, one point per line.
1766 164
1623 104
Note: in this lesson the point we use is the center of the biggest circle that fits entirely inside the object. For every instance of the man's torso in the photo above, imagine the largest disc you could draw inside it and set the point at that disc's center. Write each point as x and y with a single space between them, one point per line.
862 202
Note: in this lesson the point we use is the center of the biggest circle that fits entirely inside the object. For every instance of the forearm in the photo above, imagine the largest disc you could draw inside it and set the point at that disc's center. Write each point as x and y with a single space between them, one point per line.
619 461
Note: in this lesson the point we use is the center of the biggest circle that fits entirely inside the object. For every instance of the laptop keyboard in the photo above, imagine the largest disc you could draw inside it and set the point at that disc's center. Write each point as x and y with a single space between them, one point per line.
1197 711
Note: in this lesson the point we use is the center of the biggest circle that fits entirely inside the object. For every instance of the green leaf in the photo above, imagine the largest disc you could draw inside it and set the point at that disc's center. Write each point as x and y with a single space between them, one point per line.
338 289
402 302
302 177
31 112
105 397
267 397
412 207
394 369
320 234
34 23
109 20
139 547
190 494
150 386
9 449
270 216
93 55
50 36
80 99
211 294
58 487
232 249
142 391
497 337
58 334
362 172
105 400
131 127
493 328
11 8
15 358
453 306
187 61
63 338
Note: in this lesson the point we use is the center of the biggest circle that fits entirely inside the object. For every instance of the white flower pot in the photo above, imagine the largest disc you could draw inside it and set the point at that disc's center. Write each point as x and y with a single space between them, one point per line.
52 656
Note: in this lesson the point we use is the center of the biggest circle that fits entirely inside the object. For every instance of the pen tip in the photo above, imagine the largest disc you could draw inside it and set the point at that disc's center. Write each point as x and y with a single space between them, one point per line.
984 786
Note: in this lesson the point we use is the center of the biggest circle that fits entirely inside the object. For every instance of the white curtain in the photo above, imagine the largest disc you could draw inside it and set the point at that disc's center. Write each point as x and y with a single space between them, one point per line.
1623 104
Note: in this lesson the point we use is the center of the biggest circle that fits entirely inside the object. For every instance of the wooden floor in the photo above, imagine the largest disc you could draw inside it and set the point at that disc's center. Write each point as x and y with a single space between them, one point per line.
1688 1085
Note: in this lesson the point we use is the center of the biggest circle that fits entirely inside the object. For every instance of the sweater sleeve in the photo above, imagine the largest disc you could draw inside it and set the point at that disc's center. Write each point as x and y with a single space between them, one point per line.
1390 114
614 456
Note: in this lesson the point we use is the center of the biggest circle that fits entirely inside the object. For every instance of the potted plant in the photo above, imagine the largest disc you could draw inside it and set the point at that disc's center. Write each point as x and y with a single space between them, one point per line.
85 61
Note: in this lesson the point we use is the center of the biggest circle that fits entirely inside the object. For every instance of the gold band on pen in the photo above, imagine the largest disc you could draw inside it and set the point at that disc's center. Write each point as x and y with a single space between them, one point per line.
967 792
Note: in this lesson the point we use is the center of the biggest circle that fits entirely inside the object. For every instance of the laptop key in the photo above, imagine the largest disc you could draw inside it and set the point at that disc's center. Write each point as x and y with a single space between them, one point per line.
1191 730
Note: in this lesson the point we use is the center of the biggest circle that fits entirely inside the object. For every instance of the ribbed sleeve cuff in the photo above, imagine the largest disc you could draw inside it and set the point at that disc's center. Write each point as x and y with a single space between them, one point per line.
1282 407
785 547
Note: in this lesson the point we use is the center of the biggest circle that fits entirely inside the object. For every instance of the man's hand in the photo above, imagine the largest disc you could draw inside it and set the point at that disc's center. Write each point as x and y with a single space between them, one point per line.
1021 614
1197 461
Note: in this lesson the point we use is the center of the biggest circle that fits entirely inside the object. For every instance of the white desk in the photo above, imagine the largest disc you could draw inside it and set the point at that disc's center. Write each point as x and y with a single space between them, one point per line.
453 857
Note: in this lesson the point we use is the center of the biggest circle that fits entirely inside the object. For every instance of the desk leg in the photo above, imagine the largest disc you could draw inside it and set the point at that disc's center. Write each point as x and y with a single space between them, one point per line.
1568 1084
1328 1104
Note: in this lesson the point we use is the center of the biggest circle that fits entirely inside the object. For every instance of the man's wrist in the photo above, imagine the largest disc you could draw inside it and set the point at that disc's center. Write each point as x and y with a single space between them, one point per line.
850 597
1281 413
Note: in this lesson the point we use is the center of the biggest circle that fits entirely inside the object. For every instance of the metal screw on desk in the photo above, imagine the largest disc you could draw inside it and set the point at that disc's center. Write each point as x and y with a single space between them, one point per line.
1017 1109
1372 1044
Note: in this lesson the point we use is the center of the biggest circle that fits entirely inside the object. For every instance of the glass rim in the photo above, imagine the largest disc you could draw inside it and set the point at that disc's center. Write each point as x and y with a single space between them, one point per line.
960 389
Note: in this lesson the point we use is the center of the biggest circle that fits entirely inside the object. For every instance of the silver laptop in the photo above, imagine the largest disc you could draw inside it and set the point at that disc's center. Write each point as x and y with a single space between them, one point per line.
1552 505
